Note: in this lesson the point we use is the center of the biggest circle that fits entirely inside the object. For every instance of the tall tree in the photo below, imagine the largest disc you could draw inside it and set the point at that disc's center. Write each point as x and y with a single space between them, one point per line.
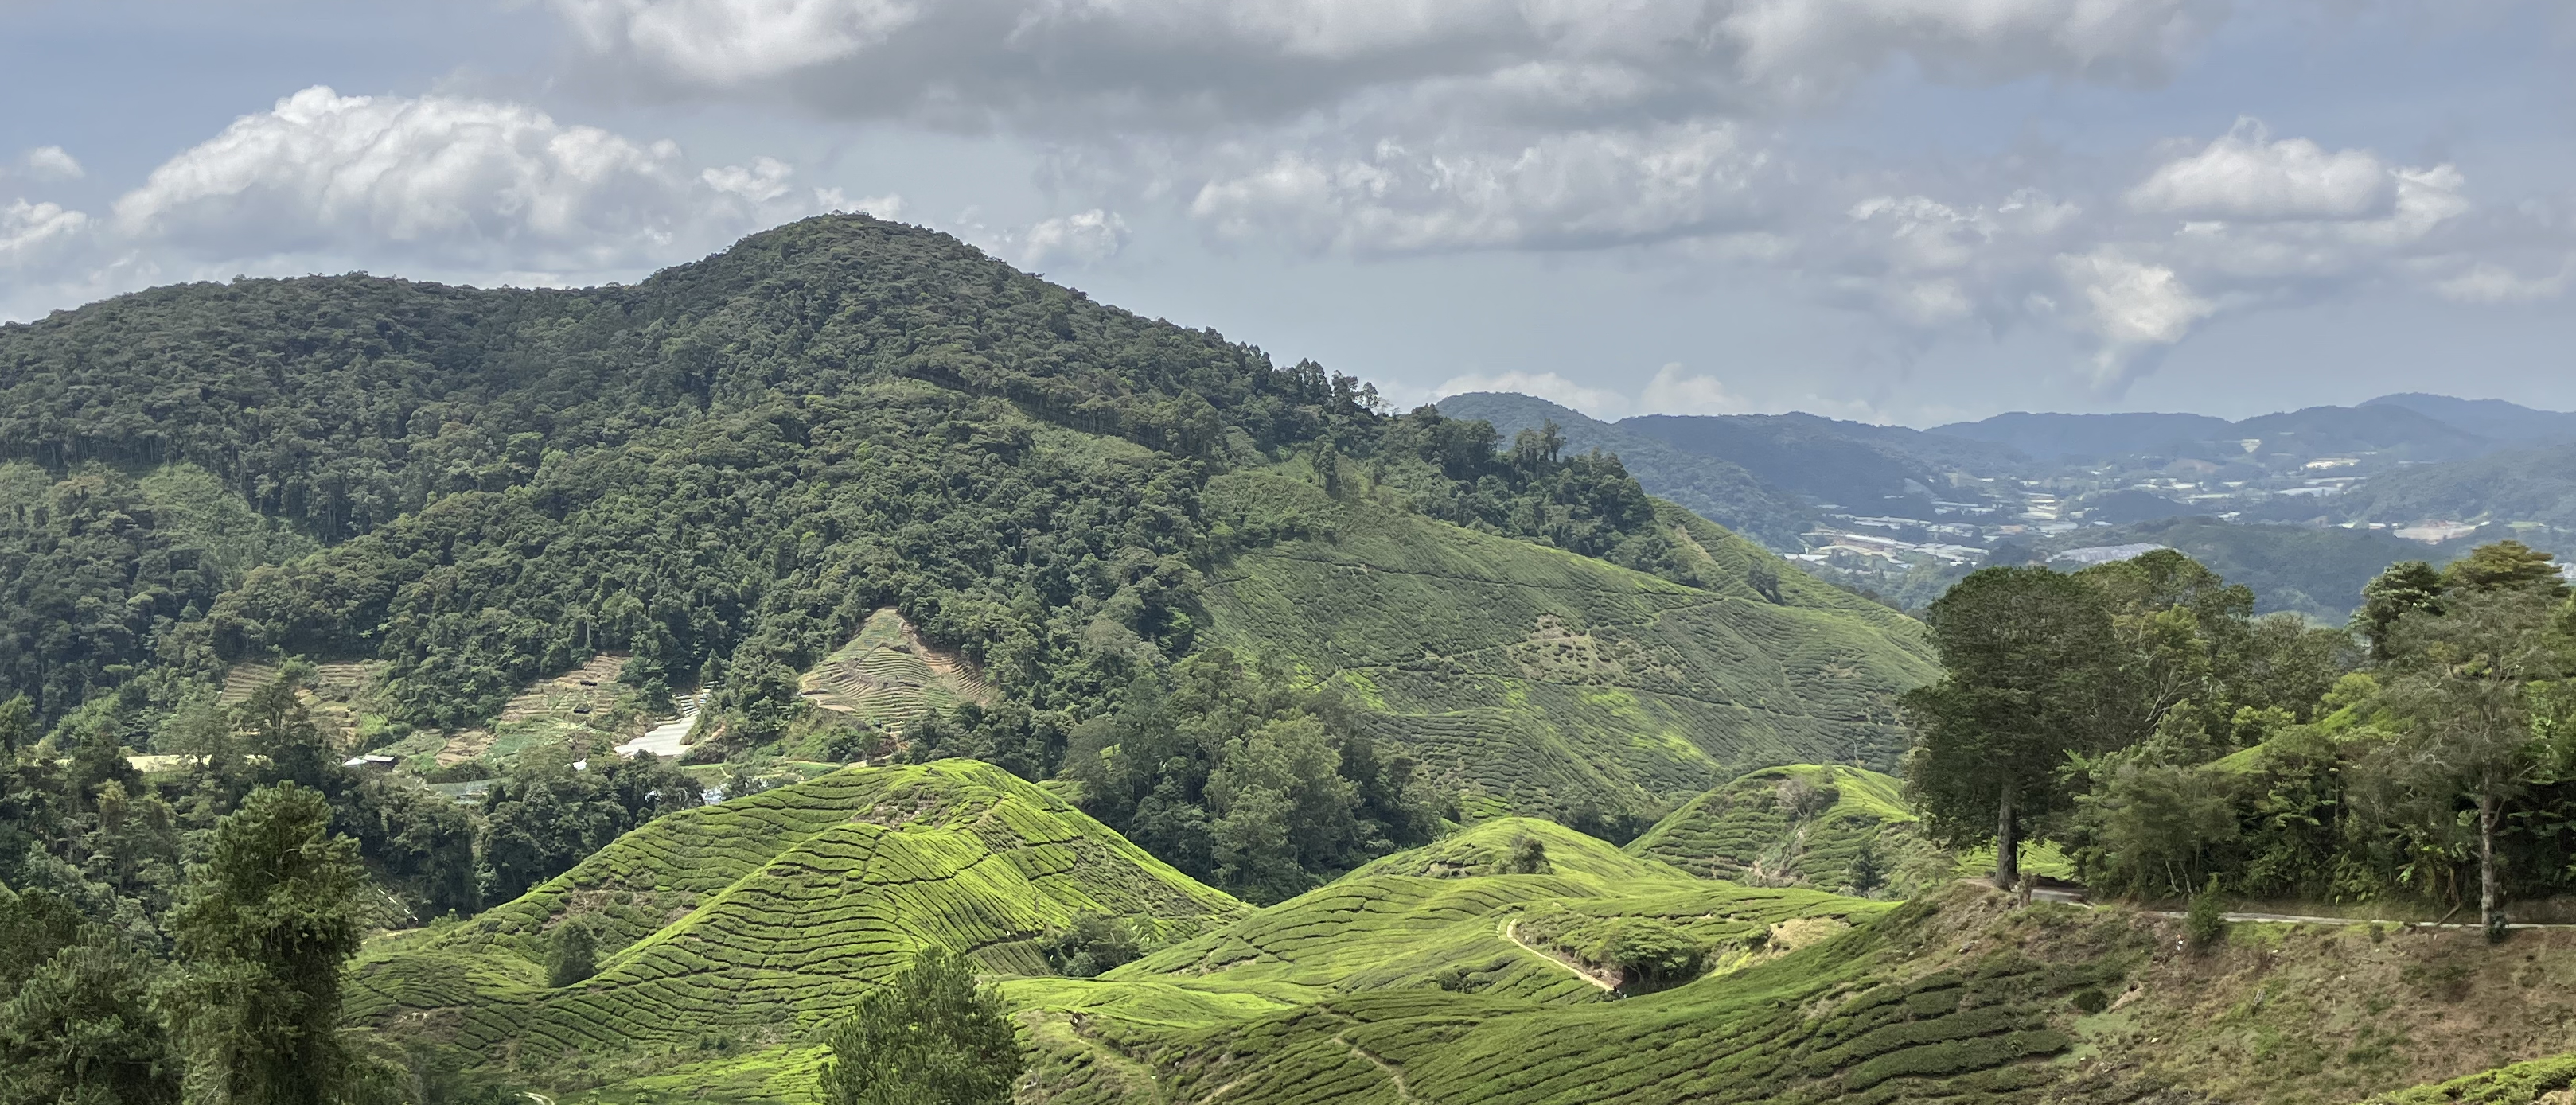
2462 687
930 1036
2026 650
269 920
2402 589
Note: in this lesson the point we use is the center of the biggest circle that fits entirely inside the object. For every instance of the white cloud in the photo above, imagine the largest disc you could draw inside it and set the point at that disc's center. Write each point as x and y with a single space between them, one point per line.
435 187
2132 306
884 207
1597 402
719 42
454 184
2242 175
1670 392
31 233
1817 45
2487 282
1573 190
50 163
1085 238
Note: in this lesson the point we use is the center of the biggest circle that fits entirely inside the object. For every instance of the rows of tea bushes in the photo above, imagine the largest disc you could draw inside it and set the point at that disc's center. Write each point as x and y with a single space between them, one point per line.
1552 680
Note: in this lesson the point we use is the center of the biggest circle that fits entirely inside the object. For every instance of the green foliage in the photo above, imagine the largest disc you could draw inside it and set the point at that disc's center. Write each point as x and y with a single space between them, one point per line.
2030 657
548 816
1529 857
1552 683
1091 944
2525 1083
82 1028
1232 775
573 956
271 917
2504 566
2205 922
795 902
930 1036
2404 588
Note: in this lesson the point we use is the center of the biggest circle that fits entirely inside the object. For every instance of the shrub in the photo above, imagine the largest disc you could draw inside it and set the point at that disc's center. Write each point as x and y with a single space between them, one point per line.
574 956
930 1036
1650 955
1094 943
2091 1000
1529 857
2206 921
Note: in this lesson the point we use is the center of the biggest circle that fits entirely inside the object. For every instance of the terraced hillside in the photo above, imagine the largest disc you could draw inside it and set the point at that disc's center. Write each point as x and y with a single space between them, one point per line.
760 918
1800 825
1443 974
1541 678
888 677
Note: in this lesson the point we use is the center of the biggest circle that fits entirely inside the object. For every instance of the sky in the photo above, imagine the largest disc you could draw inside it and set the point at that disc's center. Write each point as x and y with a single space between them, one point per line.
1903 211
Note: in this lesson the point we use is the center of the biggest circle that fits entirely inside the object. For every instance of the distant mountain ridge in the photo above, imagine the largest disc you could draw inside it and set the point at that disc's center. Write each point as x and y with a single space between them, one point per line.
2414 426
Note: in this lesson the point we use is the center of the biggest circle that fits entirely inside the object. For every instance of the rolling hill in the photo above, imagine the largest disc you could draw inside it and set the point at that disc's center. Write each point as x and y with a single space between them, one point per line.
751 475
1716 488
1800 825
1438 974
759 919
1543 679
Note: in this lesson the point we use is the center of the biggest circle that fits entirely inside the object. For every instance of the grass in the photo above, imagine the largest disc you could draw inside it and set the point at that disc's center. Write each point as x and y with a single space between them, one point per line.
1538 679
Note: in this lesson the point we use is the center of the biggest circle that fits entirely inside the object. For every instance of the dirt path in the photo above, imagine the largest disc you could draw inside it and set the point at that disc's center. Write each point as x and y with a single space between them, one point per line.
2258 918
2305 919
1394 1074
1510 931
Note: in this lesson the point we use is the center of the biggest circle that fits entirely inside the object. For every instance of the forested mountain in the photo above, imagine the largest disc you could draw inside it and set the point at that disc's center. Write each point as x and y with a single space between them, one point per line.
2062 437
713 480
2535 484
2493 419
1717 488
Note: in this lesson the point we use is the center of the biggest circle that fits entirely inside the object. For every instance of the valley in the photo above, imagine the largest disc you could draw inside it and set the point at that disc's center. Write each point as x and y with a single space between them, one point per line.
646 687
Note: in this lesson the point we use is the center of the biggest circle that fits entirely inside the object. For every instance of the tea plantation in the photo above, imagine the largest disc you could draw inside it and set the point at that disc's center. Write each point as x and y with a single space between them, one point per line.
1545 679
762 918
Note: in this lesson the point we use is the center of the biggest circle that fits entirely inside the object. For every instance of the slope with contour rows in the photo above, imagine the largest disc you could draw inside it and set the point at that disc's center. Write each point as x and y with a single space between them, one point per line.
766 916
1545 679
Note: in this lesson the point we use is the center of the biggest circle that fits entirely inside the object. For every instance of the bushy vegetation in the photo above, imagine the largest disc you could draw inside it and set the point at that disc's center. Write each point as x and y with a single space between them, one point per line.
929 1036
2418 760
244 1005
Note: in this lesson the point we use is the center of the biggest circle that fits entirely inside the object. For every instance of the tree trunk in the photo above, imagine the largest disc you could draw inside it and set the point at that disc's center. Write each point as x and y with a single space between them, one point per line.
2487 918
2007 844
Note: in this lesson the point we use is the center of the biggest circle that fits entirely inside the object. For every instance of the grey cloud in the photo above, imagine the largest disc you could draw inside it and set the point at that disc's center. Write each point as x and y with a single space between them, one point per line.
1113 65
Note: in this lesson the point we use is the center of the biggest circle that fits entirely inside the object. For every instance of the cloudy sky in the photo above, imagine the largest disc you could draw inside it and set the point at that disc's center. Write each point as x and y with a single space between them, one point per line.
1894 210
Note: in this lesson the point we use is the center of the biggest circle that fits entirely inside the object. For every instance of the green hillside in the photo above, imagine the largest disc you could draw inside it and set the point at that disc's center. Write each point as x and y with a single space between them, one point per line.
1800 825
1445 973
759 919
1542 678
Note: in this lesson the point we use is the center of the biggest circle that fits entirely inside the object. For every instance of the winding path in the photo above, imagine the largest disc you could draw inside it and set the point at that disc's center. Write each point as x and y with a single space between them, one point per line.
1511 932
